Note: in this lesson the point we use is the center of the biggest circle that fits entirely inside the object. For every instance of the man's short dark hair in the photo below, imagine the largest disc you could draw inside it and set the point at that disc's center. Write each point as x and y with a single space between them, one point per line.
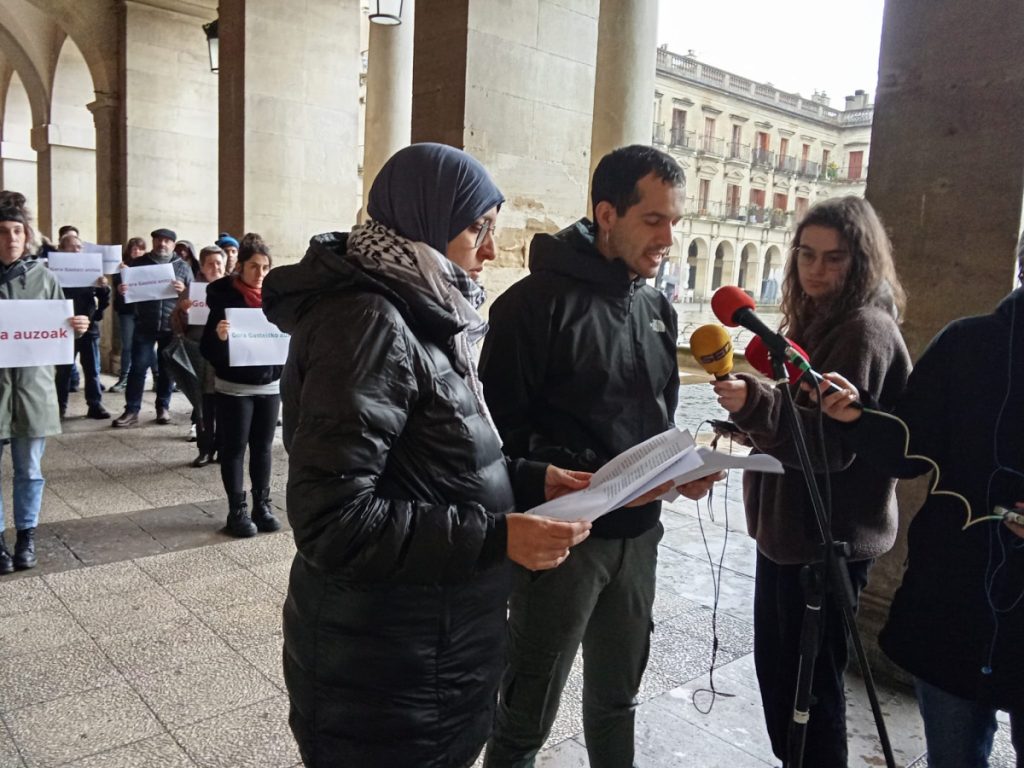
65 229
618 172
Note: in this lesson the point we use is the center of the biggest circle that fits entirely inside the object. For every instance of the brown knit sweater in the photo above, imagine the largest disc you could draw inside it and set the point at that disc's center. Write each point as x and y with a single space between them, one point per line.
868 350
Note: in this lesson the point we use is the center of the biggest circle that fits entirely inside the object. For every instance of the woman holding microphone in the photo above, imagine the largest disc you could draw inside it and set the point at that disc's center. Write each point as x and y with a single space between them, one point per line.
840 301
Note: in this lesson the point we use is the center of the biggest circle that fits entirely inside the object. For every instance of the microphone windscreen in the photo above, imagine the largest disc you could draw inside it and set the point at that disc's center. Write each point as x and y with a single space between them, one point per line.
711 346
757 356
727 300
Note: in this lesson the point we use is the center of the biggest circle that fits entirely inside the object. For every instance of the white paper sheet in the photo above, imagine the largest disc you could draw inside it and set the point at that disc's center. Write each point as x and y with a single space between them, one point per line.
76 270
716 461
626 477
111 256
254 340
149 283
198 312
36 332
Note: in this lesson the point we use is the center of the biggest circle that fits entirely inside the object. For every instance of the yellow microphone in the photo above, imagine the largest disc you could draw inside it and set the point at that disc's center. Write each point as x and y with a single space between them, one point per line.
711 346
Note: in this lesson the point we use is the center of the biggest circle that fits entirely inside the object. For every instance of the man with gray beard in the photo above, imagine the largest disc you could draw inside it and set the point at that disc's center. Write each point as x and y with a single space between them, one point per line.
153 333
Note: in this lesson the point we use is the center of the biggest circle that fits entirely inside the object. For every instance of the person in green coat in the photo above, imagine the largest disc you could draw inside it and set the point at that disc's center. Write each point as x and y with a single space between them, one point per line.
28 397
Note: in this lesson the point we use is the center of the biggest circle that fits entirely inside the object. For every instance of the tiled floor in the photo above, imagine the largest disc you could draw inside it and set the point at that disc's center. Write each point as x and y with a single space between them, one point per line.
147 638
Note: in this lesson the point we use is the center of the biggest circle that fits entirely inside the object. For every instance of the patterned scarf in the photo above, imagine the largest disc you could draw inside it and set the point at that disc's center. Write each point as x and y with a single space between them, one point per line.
382 251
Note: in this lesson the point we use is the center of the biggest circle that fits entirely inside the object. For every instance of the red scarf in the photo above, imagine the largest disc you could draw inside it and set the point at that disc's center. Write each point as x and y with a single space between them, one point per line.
253 296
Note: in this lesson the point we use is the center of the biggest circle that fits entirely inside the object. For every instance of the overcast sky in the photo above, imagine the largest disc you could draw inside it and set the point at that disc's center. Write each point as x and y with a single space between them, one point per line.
796 45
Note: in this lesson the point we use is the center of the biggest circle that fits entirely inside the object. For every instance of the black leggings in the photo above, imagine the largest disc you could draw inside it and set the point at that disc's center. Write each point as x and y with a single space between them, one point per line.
246 420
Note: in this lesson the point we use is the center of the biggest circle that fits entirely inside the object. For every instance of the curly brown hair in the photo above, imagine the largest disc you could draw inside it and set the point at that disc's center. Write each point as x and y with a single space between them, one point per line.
871 279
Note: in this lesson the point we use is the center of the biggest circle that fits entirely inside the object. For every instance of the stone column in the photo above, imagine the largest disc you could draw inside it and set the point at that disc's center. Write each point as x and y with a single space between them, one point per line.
627 41
44 179
515 89
755 266
704 278
947 183
388 121
289 84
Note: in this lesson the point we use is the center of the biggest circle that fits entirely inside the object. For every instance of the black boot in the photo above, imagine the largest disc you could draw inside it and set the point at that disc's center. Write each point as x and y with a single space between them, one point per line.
25 549
239 523
6 564
262 512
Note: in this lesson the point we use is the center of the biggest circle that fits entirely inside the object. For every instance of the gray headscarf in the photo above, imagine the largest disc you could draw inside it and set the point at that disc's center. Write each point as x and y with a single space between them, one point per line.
429 193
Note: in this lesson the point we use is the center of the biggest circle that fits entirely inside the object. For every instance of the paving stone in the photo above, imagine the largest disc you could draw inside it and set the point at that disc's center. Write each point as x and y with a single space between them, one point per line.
50 674
740 550
275 574
246 624
25 595
93 498
199 690
265 548
266 657
185 525
155 752
71 727
222 590
10 757
116 614
35 631
691 578
106 539
54 556
253 737
187 564
99 580
162 645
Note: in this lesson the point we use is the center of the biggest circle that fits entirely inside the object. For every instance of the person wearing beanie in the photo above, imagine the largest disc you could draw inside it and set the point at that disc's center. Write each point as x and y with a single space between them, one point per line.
28 396
153 333
230 248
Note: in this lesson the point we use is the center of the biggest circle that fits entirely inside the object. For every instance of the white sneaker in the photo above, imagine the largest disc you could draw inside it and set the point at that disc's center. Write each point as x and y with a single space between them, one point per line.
192 433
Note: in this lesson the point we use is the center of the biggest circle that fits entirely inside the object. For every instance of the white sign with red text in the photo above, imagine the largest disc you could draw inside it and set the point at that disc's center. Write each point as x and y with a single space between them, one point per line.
254 340
149 283
198 312
36 332
76 270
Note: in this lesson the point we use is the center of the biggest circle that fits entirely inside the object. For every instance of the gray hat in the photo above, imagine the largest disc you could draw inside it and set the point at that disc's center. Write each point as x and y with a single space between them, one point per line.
169 234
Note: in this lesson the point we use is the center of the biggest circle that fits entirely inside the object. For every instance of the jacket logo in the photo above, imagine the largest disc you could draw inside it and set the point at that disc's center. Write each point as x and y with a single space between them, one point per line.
658 326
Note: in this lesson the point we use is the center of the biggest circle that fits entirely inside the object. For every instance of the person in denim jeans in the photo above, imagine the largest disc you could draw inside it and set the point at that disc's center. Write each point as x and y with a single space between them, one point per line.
133 249
153 333
28 397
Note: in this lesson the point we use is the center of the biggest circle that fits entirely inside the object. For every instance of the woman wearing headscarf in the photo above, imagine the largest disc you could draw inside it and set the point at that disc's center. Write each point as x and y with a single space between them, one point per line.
398 492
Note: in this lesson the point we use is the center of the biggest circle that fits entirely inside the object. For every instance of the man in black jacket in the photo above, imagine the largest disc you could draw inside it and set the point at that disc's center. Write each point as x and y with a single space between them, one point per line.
153 333
579 365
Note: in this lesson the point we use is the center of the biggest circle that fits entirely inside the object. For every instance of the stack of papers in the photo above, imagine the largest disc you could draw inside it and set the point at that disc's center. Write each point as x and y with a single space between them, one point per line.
672 455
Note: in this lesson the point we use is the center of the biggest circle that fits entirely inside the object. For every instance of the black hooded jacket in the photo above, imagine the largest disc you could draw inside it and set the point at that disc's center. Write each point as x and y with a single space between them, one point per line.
957 621
580 363
397 494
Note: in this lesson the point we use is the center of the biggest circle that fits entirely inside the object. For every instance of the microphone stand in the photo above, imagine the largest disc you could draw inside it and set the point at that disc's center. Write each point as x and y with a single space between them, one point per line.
829 574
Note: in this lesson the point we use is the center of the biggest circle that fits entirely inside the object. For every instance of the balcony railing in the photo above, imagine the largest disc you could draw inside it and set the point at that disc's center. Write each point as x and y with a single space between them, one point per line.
765 157
711 145
682 139
736 151
747 214
809 168
786 164
658 134
842 175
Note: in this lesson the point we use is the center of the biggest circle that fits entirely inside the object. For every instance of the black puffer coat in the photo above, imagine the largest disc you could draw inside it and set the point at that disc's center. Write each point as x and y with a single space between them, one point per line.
397 493
220 295
154 317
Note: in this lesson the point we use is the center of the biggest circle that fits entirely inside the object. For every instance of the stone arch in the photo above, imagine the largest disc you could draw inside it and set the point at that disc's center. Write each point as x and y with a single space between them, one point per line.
19 159
771 275
72 139
723 270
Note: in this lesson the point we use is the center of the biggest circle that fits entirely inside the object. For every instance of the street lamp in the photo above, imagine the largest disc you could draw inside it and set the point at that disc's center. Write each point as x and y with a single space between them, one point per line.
213 42
389 12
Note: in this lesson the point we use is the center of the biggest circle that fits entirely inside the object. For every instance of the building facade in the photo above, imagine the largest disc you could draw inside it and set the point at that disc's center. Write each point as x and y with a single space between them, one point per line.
756 158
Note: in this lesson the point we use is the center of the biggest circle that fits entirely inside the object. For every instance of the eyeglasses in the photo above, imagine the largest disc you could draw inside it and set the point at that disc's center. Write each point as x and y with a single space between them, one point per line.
834 260
482 231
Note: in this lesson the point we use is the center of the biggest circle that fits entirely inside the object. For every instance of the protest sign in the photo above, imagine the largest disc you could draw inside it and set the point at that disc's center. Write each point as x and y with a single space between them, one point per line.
198 312
76 270
36 332
254 340
111 256
149 283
